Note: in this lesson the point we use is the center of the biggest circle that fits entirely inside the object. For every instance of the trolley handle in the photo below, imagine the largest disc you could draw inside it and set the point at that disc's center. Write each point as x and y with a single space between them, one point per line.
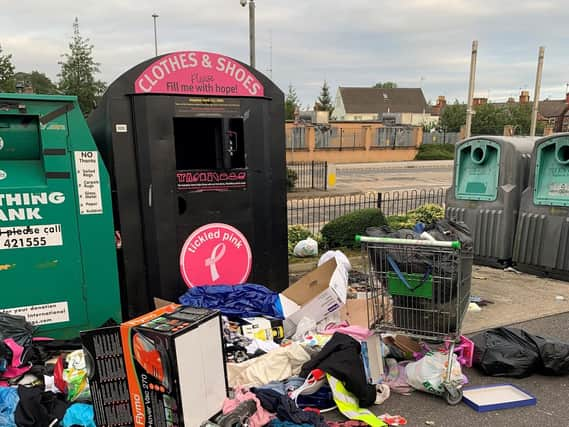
409 242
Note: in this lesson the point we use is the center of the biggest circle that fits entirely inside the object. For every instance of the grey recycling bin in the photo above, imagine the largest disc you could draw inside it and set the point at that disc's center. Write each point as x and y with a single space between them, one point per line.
490 173
542 235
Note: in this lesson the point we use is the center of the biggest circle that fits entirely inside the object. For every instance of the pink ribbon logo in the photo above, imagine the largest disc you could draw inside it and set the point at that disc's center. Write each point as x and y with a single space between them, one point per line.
216 255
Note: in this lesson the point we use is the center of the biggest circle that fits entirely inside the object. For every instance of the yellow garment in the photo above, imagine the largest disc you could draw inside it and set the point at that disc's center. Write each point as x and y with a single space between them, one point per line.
349 406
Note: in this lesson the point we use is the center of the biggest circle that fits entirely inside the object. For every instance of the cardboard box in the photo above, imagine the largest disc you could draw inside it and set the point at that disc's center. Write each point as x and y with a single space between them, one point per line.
315 295
163 369
355 312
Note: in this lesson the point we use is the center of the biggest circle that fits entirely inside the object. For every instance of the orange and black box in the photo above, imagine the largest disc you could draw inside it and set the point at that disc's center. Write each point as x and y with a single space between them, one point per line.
164 369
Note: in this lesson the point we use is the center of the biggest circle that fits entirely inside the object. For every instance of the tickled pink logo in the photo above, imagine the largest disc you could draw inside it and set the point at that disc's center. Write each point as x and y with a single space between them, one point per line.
215 254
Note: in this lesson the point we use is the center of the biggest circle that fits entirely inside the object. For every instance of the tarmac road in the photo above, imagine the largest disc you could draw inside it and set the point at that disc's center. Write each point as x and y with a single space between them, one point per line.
362 177
552 395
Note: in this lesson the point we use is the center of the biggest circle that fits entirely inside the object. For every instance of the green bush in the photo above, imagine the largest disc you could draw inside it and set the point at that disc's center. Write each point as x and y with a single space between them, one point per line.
427 214
296 233
341 231
435 152
398 222
291 178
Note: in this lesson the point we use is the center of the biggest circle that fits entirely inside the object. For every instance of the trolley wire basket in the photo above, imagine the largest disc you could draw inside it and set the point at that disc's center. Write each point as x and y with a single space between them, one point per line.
419 288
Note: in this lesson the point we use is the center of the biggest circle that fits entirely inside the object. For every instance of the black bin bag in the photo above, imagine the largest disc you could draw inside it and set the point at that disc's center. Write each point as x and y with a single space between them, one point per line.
511 352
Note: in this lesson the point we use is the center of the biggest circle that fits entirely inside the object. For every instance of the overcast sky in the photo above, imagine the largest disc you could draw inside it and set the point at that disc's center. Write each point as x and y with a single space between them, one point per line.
416 43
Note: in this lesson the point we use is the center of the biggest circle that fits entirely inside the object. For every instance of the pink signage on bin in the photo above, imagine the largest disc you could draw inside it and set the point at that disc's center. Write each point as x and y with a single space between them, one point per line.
215 254
198 73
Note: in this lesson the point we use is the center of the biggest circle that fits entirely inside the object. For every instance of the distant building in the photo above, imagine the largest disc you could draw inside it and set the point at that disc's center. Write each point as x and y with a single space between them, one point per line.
553 113
399 106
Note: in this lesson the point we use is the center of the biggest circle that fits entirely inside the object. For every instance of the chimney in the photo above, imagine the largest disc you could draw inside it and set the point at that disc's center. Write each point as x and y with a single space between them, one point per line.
567 98
479 101
524 97
511 100
441 101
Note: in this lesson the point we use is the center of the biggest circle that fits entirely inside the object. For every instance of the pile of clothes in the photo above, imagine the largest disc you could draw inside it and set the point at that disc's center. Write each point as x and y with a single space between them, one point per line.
43 382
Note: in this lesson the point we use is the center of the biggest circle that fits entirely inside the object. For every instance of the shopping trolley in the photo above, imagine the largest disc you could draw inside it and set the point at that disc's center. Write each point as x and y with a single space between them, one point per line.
419 288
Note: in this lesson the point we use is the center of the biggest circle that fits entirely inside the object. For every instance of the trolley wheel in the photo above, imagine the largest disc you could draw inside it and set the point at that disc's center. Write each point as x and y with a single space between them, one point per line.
453 396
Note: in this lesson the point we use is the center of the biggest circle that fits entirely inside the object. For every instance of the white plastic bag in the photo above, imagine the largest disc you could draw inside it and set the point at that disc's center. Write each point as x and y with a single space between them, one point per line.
305 248
429 373
341 259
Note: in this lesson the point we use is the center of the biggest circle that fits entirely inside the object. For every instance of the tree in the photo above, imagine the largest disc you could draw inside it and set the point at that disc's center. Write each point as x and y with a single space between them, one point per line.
385 85
489 119
78 69
6 73
291 103
453 117
324 101
39 81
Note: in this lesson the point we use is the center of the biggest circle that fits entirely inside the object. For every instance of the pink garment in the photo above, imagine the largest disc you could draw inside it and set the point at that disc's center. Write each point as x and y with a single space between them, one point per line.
358 333
15 369
261 418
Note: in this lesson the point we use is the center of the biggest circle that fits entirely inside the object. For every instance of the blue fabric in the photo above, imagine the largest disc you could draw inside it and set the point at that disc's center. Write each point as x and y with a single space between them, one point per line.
279 423
283 387
246 300
8 403
80 414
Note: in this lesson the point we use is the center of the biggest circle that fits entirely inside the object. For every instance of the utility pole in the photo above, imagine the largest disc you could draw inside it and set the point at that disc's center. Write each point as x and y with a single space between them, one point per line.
252 32
469 111
537 89
154 16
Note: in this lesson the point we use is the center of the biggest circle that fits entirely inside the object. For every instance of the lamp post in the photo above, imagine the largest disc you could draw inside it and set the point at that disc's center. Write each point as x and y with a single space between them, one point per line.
251 30
154 16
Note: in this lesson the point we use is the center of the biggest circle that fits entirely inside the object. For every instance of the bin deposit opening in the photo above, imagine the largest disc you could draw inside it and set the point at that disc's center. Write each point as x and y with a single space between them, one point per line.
563 154
478 155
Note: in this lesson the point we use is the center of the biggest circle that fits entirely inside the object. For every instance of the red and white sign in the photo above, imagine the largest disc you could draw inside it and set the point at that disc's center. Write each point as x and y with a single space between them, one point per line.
198 73
215 254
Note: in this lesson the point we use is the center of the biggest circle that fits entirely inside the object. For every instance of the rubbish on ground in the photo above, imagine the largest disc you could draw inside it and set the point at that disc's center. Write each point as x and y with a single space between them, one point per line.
480 301
341 358
306 248
263 328
8 403
479 277
277 365
76 377
430 373
560 298
350 406
157 358
393 420
510 352
512 270
355 312
340 257
498 396
315 295
405 347
79 414
464 351
248 300
372 356
396 377
285 408
474 308
239 416
430 423
238 408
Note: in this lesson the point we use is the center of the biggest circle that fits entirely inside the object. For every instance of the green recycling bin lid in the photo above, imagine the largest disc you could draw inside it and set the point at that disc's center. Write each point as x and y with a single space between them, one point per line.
551 185
477 167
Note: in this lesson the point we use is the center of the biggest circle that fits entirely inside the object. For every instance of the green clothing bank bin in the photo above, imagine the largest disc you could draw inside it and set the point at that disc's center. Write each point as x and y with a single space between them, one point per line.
490 174
57 249
542 235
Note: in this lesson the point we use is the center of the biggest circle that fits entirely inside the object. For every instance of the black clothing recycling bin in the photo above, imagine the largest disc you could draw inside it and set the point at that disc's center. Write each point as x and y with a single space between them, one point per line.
195 144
